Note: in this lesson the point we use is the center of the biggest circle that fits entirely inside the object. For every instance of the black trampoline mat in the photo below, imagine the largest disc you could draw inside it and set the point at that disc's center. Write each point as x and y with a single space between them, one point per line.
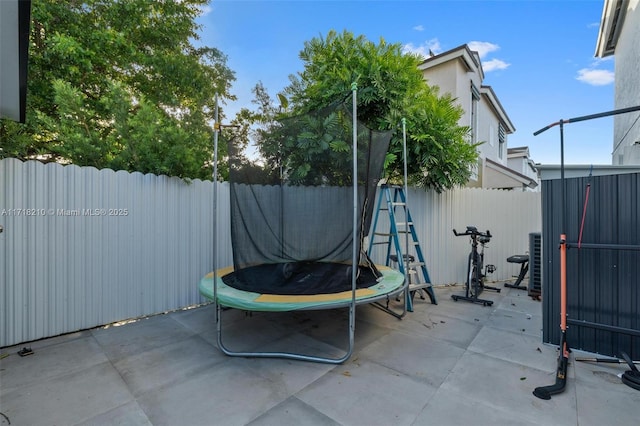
298 278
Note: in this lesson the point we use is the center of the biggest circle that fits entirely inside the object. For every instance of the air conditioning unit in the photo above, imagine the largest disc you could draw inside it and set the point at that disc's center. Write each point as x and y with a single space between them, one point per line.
535 264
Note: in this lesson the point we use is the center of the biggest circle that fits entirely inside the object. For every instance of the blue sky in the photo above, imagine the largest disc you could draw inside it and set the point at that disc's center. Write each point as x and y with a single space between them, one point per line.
538 56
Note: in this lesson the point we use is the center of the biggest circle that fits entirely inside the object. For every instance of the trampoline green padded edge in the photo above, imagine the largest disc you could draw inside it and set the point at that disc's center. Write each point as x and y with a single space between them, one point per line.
390 284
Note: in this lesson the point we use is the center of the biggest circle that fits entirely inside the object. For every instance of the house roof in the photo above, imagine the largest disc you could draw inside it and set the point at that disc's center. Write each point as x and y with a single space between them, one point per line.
469 58
518 151
553 171
491 97
613 13
499 176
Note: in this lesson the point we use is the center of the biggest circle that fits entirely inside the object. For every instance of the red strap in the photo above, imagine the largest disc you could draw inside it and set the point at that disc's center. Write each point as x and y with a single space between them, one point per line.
584 213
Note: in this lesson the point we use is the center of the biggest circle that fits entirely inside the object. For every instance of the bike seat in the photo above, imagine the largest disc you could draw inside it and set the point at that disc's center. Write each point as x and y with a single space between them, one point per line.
518 258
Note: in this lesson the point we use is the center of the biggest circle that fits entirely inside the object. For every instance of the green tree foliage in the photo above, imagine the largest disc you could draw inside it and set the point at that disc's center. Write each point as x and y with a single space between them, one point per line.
390 88
119 84
255 125
311 148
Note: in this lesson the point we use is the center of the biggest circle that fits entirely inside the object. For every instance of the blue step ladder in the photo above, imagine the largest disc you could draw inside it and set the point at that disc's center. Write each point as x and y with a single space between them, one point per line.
392 199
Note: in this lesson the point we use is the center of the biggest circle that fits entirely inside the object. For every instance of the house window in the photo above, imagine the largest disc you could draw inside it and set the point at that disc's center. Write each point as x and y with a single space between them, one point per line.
502 140
475 98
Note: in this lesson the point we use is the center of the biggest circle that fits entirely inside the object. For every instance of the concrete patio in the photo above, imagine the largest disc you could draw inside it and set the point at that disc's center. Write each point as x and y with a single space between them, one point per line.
454 363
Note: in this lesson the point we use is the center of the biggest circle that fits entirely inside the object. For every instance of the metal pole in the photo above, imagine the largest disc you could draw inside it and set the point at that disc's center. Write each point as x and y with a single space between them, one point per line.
406 214
635 247
589 117
563 239
216 130
355 256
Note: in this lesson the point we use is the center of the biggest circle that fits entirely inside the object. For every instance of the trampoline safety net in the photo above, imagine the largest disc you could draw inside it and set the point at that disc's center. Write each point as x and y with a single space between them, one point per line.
292 226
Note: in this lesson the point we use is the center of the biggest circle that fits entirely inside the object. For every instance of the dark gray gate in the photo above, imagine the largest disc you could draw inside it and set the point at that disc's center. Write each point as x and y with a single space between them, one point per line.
603 284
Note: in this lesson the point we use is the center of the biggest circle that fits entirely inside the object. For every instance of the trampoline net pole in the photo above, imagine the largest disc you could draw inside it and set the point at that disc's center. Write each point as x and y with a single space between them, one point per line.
216 128
355 259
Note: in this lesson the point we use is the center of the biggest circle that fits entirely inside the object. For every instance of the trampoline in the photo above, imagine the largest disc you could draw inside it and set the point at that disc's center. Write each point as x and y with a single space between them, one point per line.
298 225
389 284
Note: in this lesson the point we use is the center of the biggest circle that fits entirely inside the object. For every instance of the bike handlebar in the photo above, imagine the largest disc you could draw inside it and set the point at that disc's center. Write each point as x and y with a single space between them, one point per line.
473 232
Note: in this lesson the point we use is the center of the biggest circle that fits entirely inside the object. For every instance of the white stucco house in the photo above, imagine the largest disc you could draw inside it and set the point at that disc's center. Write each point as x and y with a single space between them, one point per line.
459 72
619 36
518 159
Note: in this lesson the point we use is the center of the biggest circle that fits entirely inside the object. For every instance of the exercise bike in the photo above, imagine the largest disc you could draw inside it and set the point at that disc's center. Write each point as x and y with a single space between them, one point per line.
476 270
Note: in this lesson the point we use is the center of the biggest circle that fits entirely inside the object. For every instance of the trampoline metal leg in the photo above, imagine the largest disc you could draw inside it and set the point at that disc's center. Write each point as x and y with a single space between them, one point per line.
289 355
405 290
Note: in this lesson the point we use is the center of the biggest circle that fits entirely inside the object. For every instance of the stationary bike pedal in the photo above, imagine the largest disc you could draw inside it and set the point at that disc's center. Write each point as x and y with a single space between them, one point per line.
491 269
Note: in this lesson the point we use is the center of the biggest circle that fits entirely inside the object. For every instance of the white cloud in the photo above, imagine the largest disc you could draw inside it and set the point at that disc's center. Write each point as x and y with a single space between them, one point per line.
432 46
595 77
483 47
418 28
494 64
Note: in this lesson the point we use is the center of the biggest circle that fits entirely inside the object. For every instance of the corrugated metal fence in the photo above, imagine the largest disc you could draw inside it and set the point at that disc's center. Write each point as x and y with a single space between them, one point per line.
83 247
603 295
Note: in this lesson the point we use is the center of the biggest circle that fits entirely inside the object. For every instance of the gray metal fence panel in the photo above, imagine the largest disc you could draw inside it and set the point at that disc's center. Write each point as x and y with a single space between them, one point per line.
76 259
602 283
